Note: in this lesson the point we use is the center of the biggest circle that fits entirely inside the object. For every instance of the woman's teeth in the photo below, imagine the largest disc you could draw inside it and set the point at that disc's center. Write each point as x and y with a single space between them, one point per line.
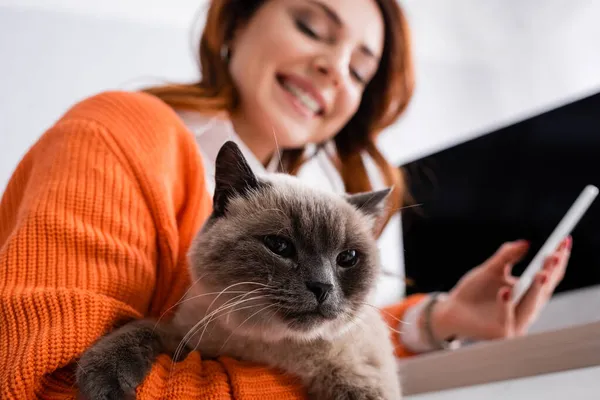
306 99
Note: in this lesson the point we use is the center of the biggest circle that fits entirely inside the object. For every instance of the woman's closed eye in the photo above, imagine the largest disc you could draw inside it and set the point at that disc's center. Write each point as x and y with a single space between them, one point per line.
356 75
307 29
313 32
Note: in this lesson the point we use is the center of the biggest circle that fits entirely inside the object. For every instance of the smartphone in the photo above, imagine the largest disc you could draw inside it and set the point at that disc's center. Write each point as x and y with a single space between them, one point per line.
562 230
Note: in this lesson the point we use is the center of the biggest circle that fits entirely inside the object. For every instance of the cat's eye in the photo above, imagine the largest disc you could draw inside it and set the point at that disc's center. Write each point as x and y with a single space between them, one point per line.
279 245
347 258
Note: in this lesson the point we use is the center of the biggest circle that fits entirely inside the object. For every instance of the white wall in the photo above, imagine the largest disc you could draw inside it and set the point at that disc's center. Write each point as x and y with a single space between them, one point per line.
50 59
174 12
483 64
480 63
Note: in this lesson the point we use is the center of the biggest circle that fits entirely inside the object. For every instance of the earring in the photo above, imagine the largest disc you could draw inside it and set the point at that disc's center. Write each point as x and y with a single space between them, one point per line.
225 53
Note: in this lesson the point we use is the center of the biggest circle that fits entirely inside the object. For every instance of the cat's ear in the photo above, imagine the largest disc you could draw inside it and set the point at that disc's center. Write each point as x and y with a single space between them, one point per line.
372 203
233 176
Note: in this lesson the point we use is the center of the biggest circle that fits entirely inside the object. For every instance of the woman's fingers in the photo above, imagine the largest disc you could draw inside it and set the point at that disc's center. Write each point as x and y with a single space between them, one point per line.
518 249
509 278
508 254
555 268
556 265
544 284
532 302
506 311
565 253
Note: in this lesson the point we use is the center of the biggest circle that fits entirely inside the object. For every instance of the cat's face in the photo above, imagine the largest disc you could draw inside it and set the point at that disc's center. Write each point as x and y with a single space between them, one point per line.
297 262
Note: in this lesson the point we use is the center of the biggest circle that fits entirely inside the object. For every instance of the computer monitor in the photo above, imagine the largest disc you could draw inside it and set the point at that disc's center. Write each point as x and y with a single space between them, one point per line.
515 182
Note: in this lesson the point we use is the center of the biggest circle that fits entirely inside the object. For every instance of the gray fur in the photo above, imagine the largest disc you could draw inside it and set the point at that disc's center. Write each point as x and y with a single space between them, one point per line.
339 348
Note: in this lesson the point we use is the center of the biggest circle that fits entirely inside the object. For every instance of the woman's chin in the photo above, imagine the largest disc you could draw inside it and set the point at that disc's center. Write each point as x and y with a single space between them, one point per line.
290 134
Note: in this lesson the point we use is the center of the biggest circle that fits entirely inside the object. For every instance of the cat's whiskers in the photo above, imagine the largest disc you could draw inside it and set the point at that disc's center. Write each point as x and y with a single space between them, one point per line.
229 313
213 293
207 319
194 330
391 316
183 299
197 297
180 300
226 314
182 343
244 321
354 320
231 286
383 311
278 150
393 210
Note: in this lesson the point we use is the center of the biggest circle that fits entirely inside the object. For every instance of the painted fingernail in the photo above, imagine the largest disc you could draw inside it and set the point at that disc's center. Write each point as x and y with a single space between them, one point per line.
551 262
543 279
506 296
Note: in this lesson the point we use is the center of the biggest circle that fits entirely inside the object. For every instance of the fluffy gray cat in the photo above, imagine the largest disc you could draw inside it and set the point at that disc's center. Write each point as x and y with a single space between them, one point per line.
281 276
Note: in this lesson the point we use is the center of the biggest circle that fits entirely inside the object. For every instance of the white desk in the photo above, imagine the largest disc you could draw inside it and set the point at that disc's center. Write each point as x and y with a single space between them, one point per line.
560 363
579 384
560 358
571 308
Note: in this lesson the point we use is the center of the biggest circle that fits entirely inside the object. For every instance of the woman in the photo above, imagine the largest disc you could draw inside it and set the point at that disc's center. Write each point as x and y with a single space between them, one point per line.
97 218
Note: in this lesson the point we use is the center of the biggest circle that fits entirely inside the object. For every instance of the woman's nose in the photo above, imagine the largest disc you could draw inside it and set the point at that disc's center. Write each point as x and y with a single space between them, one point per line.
332 67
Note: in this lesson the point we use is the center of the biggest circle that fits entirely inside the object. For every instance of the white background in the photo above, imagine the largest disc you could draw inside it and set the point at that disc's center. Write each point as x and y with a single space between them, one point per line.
480 64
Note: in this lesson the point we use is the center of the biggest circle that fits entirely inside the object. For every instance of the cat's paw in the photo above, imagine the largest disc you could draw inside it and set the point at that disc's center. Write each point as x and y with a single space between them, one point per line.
117 364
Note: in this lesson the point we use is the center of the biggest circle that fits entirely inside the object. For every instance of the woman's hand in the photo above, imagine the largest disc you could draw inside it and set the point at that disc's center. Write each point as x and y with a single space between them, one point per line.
480 307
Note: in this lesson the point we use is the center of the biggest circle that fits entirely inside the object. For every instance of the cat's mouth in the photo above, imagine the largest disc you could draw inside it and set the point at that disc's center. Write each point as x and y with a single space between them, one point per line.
319 314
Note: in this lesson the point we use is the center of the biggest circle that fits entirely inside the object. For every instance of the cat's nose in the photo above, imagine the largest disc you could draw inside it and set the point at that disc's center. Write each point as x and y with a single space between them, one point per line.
320 289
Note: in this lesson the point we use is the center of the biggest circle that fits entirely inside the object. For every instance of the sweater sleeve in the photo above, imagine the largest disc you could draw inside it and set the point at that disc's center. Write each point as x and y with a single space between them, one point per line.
394 315
77 254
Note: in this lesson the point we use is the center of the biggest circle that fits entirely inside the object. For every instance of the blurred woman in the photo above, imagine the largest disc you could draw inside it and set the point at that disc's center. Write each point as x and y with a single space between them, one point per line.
97 218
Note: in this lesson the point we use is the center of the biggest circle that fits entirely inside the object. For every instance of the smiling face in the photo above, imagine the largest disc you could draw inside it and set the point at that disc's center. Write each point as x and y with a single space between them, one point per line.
302 262
301 67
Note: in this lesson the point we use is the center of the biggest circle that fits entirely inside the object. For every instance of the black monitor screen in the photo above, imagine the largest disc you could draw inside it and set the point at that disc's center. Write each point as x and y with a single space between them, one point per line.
516 182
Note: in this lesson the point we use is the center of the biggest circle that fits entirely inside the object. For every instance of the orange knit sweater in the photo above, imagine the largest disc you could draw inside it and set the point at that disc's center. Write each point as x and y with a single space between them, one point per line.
94 226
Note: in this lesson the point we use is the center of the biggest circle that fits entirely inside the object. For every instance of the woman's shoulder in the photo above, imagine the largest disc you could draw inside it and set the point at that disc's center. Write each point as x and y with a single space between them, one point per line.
133 120
113 109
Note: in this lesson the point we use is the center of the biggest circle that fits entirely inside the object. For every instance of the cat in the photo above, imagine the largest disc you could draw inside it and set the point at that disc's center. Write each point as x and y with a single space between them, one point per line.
281 276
